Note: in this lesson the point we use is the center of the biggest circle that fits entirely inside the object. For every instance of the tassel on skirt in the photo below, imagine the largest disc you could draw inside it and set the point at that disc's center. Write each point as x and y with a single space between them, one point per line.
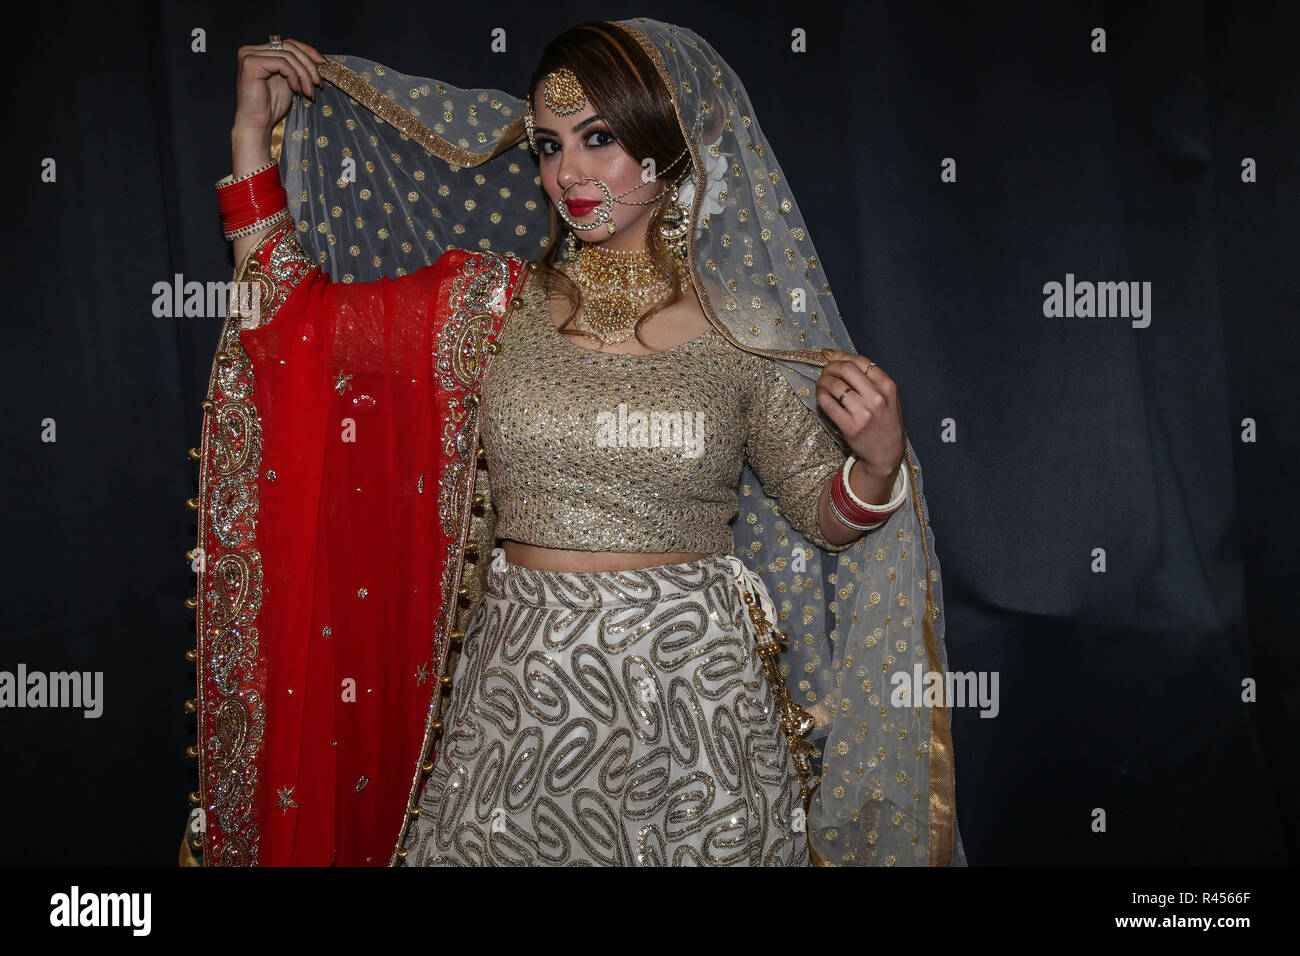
611 718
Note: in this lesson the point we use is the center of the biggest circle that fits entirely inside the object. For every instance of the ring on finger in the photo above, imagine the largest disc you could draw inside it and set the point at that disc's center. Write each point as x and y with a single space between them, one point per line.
276 43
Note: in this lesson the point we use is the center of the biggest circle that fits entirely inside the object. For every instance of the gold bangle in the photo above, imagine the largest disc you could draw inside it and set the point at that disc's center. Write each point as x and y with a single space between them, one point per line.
230 180
253 229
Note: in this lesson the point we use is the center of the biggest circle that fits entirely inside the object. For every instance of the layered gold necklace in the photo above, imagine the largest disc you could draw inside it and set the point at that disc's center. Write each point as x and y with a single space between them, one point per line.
617 287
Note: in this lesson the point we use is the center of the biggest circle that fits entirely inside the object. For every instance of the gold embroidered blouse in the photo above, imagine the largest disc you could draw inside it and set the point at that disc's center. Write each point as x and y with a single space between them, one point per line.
600 451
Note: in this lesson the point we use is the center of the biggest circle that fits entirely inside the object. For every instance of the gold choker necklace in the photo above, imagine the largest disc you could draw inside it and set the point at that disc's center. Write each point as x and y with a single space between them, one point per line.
617 287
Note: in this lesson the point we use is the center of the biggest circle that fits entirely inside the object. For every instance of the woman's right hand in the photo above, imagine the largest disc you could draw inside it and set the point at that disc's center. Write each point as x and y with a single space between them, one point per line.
269 78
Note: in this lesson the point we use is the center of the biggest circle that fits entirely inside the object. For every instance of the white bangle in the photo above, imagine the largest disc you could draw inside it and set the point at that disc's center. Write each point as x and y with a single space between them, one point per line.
898 495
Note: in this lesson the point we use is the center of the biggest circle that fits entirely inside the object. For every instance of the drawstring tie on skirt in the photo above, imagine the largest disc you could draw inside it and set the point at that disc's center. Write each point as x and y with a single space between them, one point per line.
761 619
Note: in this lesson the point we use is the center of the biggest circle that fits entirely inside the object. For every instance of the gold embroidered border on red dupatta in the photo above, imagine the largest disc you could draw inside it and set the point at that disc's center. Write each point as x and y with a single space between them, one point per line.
230 705
230 708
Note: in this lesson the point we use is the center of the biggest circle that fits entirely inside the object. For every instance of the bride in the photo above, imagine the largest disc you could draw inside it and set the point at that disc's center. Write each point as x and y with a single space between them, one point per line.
590 326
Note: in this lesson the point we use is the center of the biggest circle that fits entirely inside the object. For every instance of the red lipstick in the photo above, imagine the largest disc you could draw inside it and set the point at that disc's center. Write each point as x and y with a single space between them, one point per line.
580 207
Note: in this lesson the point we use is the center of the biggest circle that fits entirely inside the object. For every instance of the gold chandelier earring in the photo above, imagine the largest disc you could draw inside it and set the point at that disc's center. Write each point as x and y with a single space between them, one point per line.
675 226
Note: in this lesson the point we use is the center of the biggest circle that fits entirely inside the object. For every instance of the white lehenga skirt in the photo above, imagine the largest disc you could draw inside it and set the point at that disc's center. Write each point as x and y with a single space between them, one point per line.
614 718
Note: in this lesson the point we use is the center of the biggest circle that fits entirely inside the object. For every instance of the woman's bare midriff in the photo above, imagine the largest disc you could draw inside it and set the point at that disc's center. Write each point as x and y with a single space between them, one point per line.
560 559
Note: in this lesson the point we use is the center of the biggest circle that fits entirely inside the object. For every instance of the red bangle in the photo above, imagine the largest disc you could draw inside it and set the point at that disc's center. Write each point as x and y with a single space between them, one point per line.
848 513
850 510
252 201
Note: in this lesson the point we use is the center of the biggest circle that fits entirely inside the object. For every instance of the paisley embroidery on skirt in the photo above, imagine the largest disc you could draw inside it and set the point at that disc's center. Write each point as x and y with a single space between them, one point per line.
615 718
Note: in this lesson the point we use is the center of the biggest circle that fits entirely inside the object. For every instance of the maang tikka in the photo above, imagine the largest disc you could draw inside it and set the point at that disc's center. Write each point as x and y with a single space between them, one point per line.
564 96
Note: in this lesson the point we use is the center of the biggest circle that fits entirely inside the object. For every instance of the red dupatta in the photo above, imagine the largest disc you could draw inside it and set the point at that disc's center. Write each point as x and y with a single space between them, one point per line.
338 486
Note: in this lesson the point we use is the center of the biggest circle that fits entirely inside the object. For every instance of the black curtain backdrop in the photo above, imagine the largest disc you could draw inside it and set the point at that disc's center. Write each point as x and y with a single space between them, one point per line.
1043 439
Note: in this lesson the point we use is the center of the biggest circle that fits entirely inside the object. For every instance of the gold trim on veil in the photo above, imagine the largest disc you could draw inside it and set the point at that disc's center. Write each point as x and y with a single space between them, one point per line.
385 171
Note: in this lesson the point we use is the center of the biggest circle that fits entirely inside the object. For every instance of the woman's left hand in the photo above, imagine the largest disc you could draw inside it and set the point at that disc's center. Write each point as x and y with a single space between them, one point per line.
869 417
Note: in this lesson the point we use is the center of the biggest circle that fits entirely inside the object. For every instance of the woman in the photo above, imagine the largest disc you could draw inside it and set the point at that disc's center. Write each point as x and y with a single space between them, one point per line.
614 702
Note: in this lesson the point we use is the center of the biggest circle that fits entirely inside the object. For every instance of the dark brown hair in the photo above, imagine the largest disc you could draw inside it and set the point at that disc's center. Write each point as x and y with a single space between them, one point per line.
623 85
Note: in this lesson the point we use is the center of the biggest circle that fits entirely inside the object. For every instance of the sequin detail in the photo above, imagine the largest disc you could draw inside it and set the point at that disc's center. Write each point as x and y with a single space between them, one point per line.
616 718
560 484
